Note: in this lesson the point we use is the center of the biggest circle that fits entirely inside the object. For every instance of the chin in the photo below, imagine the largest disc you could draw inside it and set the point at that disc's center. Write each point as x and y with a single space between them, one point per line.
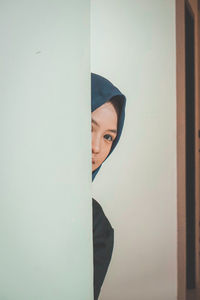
94 168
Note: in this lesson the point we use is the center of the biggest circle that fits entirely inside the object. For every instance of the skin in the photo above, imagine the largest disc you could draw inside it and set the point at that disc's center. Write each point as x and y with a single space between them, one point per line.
104 131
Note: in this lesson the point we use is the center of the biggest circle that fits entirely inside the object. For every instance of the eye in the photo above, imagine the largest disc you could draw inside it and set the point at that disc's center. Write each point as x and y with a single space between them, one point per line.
108 137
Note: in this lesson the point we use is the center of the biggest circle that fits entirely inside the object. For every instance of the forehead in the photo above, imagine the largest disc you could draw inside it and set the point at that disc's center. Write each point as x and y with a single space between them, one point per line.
105 114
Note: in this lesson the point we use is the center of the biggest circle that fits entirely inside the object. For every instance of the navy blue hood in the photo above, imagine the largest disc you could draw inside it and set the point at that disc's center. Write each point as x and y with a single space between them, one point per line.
102 91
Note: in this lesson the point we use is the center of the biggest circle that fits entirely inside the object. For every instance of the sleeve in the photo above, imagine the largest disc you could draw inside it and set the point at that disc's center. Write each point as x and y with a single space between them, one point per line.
103 240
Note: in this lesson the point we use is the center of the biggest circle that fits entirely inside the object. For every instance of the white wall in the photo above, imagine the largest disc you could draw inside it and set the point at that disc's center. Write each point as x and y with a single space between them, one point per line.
45 175
133 45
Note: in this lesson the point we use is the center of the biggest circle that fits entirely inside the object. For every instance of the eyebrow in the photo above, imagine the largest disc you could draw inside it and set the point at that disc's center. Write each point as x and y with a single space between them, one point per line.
112 130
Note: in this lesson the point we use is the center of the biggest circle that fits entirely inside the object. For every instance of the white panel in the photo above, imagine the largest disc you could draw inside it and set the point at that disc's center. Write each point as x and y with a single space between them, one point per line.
45 172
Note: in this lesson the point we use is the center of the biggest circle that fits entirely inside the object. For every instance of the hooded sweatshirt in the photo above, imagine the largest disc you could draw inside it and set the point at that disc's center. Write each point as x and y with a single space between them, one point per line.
103 233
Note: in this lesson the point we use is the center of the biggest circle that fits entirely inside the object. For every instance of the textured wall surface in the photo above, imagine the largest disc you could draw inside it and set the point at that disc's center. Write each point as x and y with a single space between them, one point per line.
133 44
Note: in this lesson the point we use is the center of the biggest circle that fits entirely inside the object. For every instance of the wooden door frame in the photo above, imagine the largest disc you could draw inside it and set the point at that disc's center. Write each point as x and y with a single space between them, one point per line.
181 143
194 6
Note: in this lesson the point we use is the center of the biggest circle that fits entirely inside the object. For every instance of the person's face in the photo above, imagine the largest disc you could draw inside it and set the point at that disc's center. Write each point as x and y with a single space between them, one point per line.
104 131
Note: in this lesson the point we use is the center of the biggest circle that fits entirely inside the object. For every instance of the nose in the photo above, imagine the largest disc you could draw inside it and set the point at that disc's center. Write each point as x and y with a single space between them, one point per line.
96 147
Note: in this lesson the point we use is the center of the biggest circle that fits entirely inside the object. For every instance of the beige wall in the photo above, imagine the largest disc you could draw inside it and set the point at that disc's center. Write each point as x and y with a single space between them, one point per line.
133 45
45 161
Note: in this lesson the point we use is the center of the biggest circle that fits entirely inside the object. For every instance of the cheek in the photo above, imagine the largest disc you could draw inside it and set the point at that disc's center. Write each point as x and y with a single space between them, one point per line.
106 150
104 153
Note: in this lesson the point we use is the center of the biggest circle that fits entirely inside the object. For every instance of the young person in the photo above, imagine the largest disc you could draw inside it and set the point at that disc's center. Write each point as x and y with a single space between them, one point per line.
107 117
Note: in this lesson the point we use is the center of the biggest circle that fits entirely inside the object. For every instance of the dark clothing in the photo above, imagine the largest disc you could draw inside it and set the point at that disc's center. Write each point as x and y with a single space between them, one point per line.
103 239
